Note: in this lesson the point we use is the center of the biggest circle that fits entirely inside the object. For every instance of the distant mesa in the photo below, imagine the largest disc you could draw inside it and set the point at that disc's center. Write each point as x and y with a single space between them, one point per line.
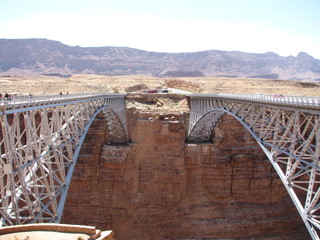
182 73
52 58
268 75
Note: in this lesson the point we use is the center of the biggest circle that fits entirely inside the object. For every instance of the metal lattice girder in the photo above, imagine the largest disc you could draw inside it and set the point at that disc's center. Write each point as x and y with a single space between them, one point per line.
40 140
287 129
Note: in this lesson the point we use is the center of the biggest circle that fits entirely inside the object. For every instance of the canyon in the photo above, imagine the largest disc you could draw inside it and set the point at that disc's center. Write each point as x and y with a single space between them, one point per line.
158 186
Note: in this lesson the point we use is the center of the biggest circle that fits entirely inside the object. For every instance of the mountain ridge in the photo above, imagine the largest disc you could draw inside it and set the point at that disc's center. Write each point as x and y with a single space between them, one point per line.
49 57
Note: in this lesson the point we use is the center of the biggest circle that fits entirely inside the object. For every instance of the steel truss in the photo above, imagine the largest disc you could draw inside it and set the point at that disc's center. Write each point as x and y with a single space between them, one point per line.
288 134
39 146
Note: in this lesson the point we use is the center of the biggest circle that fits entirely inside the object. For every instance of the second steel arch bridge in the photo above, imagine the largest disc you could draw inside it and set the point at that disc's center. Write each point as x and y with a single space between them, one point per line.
288 131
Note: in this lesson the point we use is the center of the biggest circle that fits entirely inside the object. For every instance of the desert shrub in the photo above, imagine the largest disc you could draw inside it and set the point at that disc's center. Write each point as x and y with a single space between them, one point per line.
307 84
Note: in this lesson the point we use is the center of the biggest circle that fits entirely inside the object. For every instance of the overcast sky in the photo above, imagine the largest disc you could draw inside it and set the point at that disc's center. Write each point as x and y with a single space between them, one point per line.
286 27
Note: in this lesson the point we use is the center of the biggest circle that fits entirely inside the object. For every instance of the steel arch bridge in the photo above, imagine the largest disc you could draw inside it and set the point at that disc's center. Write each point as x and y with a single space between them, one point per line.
40 140
288 131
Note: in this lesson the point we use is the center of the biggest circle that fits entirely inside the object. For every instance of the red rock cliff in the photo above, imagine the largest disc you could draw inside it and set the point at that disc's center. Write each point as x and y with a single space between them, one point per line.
159 187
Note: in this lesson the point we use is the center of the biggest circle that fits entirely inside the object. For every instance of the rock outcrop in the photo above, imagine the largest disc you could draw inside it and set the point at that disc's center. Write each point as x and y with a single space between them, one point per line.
160 187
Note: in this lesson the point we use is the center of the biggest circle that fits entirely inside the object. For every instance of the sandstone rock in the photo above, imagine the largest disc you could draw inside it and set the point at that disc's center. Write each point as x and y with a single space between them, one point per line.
159 187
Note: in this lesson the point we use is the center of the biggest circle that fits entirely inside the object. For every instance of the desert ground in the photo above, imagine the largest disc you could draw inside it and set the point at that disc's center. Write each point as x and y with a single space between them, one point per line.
42 85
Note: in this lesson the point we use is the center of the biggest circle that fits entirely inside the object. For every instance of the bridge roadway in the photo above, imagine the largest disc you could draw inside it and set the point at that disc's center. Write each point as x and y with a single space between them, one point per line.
40 139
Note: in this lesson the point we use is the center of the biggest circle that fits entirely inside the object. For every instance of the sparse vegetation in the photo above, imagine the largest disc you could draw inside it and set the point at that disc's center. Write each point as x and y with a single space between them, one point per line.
308 84
38 85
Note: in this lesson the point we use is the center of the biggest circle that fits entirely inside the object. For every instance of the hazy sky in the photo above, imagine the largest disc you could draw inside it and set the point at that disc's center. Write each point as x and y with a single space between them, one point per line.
282 26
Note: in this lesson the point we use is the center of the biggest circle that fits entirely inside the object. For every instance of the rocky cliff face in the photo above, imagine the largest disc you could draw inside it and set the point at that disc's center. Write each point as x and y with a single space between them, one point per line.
41 56
159 187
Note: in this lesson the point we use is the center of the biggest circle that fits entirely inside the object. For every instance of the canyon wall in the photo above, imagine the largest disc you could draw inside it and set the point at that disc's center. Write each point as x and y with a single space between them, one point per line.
159 187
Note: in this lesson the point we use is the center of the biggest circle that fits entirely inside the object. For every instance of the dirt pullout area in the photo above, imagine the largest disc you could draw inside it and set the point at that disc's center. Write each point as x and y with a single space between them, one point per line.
39 85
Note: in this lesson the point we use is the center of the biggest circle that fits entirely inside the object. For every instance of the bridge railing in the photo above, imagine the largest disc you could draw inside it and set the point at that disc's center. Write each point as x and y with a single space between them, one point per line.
279 99
16 102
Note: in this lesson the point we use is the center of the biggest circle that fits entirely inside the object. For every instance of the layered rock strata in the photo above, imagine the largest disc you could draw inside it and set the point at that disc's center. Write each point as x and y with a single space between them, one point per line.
160 187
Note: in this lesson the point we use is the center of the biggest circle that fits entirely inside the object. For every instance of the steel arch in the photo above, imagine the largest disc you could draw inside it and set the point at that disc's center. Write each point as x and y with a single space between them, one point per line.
39 149
289 136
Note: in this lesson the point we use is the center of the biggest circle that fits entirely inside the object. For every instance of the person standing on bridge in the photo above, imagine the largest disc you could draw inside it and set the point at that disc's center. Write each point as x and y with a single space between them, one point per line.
6 97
